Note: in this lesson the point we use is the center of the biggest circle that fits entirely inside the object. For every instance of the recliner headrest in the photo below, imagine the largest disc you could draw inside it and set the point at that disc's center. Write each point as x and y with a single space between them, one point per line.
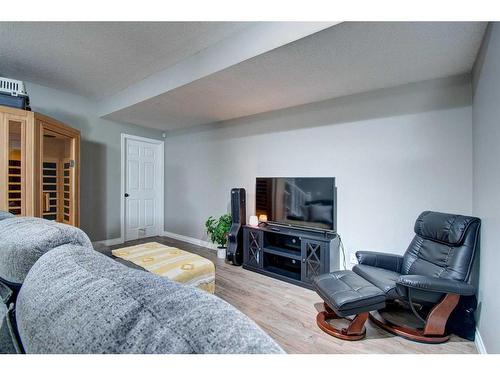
441 227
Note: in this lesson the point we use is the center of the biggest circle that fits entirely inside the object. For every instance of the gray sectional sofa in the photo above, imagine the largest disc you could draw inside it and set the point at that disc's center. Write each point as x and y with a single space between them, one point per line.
61 296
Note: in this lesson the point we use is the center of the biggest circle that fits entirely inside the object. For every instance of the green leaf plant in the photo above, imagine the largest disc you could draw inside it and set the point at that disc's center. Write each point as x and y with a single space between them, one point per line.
218 229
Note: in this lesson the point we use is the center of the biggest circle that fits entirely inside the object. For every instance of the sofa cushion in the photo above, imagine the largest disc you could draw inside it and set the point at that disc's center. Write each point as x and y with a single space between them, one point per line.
383 279
25 239
76 301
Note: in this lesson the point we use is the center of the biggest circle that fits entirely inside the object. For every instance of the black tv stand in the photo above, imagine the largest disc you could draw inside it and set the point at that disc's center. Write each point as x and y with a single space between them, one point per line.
290 254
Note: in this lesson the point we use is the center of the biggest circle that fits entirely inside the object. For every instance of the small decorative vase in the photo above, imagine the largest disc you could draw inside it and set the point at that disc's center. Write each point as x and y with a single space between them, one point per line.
221 252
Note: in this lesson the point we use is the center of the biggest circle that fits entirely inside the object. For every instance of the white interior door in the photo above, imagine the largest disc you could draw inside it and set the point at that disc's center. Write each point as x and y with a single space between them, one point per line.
142 190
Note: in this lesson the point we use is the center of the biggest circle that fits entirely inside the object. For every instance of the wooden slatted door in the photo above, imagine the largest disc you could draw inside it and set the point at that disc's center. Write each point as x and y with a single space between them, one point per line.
12 159
68 190
15 184
50 189
59 156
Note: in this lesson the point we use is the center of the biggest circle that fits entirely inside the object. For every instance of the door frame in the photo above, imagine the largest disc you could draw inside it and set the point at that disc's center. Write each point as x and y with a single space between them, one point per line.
161 147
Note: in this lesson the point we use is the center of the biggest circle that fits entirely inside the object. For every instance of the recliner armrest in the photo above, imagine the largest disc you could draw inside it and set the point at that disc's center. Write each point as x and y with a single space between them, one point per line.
391 262
436 284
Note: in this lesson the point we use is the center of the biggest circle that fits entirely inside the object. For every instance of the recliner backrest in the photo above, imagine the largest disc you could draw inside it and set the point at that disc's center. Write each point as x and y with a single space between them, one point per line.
23 240
444 246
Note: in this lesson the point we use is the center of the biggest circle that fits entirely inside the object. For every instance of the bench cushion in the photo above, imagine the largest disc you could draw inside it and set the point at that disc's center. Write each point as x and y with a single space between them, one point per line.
348 294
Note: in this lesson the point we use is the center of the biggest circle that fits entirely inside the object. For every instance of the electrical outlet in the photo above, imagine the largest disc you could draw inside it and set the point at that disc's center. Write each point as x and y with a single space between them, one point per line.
353 259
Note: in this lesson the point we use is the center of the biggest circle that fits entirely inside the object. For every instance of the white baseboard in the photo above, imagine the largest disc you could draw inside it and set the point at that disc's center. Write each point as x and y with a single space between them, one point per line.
190 240
110 242
479 343
180 237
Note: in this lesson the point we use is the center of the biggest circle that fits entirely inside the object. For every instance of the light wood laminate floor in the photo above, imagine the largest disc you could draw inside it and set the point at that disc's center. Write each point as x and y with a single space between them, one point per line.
288 312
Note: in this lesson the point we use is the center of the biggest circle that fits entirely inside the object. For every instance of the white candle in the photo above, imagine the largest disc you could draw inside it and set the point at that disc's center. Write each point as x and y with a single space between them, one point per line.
253 221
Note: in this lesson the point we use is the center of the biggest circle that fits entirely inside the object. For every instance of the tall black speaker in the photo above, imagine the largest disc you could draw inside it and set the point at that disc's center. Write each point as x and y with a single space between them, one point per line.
234 252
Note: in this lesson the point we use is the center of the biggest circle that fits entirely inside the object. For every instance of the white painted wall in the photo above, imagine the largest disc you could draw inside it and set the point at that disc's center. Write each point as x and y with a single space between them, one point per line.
394 152
100 156
486 197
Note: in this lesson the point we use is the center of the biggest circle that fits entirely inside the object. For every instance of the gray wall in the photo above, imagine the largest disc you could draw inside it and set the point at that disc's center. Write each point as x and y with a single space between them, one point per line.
395 153
486 196
100 156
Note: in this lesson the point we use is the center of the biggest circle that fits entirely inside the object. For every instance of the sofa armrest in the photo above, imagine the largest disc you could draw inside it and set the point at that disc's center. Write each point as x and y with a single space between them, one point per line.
436 284
391 262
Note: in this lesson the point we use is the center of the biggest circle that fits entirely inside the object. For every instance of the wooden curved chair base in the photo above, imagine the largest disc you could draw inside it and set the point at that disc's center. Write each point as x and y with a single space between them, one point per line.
434 330
406 332
355 331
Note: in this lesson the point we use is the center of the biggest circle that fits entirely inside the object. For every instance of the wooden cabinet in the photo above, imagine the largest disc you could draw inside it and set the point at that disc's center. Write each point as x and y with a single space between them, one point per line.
313 255
252 240
290 254
39 166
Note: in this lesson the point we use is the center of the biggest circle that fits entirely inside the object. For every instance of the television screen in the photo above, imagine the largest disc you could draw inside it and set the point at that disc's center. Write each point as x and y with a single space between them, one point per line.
298 201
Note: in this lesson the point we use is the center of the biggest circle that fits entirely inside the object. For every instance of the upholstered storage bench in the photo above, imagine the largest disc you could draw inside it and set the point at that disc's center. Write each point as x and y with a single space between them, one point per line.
172 263
344 294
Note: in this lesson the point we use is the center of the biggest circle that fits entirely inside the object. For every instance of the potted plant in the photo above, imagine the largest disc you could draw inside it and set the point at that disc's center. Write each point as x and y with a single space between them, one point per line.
217 230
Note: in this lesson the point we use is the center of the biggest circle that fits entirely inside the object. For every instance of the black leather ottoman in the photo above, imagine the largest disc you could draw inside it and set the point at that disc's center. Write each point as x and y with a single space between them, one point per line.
344 294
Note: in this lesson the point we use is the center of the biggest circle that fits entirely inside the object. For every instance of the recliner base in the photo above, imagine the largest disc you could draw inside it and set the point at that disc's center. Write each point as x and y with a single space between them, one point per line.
435 325
407 332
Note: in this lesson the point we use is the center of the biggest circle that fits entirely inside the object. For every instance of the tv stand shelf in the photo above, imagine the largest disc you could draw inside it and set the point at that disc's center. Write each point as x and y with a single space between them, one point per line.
290 254
281 252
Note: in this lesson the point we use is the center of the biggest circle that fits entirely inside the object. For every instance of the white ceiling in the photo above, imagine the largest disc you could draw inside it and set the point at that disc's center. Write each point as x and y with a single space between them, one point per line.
342 60
280 65
97 59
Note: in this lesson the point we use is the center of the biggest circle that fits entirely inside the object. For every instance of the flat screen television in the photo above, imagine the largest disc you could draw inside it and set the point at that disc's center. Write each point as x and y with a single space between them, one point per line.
307 202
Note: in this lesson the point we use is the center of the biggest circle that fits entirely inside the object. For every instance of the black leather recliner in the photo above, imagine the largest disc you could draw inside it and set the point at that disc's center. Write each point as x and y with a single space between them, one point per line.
434 271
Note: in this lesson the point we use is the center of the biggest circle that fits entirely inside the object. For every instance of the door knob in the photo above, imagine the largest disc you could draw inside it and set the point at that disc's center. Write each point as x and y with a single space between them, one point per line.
127 195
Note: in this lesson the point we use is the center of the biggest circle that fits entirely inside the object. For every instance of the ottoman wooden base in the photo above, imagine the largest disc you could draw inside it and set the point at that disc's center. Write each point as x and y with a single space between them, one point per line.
346 294
355 331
